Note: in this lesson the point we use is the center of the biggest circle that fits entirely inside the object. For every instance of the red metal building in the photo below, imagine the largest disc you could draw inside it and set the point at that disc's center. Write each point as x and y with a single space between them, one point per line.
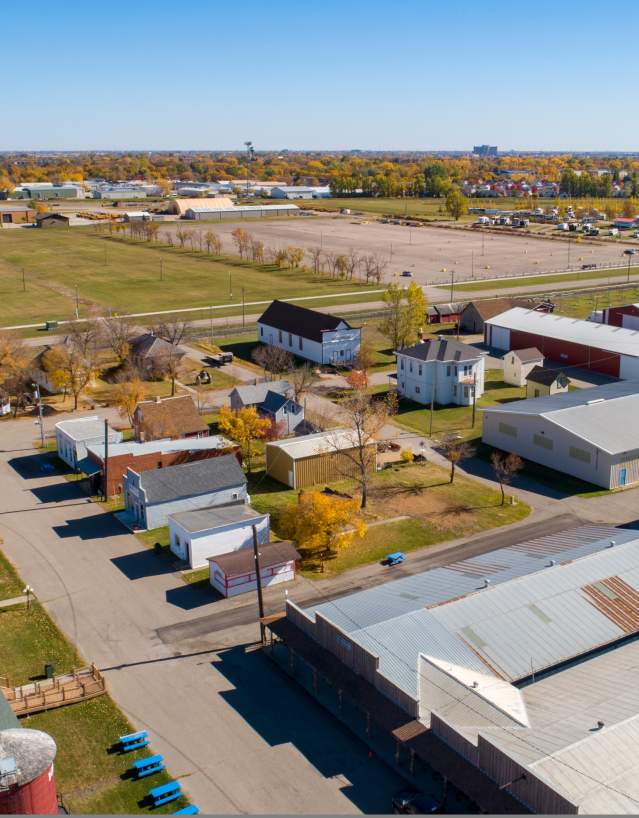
626 316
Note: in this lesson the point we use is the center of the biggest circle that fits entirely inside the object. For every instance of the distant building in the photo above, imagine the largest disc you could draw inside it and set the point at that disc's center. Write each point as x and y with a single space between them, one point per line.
316 336
519 363
53 220
541 382
441 371
301 192
283 412
152 495
16 214
180 205
210 212
151 354
626 316
485 150
46 191
444 313
475 313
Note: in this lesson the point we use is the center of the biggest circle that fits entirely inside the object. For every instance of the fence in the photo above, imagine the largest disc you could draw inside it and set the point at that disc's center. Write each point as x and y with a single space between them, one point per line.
78 685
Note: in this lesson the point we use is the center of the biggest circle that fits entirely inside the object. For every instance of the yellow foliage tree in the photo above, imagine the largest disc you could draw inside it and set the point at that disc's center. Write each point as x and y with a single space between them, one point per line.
318 525
244 426
127 397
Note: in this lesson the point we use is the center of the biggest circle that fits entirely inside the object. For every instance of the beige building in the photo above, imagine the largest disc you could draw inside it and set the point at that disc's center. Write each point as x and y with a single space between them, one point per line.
180 206
541 382
518 363
320 458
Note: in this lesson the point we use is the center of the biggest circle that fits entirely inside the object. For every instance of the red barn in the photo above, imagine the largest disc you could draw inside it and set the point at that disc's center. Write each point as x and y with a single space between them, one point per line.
626 316
610 350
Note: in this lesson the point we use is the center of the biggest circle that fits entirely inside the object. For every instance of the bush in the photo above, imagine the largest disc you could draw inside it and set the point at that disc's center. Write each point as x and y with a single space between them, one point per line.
407 456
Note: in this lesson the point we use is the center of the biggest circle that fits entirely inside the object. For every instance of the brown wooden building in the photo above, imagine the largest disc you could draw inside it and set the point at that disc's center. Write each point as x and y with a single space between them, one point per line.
172 418
11 213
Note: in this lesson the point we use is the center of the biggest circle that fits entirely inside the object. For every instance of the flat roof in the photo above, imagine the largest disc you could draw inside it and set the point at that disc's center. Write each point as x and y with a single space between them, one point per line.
203 519
551 325
87 428
136 448
606 416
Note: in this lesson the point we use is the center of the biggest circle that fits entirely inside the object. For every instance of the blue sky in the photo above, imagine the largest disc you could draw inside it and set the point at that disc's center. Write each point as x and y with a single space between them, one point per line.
414 74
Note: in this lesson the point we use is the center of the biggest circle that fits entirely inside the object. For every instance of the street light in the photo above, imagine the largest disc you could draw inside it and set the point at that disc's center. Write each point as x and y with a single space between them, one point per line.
38 399
630 253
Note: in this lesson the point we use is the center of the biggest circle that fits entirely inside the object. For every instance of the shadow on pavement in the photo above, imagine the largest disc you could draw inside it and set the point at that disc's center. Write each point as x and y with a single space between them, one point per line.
282 714
60 492
142 564
32 466
90 528
193 596
478 467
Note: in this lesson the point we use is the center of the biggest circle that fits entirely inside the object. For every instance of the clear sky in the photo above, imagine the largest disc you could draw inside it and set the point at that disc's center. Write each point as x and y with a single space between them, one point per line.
413 74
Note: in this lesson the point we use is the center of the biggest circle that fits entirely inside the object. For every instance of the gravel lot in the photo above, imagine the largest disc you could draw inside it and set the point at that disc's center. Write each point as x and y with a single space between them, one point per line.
430 253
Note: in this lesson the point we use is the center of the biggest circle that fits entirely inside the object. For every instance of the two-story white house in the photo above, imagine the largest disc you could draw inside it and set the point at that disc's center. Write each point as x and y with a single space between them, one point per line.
443 371
315 336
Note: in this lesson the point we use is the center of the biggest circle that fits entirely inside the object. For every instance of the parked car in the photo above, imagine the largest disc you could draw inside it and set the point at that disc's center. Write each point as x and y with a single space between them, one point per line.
588 266
613 231
220 358
413 802
406 274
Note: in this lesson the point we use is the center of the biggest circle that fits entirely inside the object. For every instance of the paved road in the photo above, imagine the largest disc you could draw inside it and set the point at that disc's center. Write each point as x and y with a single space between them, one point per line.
241 737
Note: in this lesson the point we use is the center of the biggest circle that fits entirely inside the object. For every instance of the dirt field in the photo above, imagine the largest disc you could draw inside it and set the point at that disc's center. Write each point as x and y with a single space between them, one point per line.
430 253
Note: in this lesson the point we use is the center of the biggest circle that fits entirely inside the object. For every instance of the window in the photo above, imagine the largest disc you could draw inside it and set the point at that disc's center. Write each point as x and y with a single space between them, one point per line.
290 340
419 370
279 335
536 393
261 332
454 390
579 454
507 429
456 370
465 391
448 370
410 366
301 345
235 495
341 353
417 390
401 363
177 541
543 442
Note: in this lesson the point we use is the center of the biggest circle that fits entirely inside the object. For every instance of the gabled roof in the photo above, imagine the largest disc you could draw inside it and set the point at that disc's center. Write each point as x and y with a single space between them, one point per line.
251 394
318 443
192 479
527 356
494 306
273 402
149 345
453 351
170 417
543 376
243 561
301 321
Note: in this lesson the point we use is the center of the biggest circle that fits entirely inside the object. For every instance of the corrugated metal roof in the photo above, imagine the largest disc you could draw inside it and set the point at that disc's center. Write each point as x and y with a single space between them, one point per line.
319 443
164 446
203 519
605 416
573 330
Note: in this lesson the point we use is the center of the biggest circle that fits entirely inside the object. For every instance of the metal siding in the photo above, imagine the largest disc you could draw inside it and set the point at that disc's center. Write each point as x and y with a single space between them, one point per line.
278 464
324 468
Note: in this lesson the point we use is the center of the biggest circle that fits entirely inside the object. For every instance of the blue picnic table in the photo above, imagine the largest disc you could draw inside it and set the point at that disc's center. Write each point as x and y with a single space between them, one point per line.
148 766
190 810
165 793
133 741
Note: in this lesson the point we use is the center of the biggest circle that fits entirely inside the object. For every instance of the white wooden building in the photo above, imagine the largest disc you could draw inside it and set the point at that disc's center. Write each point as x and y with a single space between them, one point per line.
235 573
519 363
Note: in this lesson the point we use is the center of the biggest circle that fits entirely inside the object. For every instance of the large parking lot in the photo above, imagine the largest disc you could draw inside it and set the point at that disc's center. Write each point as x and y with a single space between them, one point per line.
430 253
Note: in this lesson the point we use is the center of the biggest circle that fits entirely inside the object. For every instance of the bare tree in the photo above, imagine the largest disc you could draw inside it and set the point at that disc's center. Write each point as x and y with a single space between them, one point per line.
505 467
316 254
173 330
116 332
331 261
272 359
72 364
242 241
353 263
181 235
455 451
355 446
301 380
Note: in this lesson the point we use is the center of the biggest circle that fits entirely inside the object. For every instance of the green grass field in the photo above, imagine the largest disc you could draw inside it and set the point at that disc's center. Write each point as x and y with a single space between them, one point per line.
539 281
89 778
123 276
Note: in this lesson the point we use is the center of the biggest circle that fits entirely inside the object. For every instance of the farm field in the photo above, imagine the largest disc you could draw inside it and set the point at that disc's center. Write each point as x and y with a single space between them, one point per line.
125 277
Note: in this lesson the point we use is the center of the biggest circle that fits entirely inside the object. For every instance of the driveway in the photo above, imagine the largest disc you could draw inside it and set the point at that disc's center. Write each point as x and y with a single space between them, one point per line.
241 736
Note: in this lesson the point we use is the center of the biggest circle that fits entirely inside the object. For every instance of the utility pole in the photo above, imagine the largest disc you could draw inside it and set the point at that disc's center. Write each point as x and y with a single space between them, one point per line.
24 282
39 400
211 321
258 579
483 243
243 316
452 284
105 470
472 264
569 242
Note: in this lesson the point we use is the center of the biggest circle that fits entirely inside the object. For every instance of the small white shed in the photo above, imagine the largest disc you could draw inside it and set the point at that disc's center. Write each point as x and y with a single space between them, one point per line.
519 363
206 532
234 573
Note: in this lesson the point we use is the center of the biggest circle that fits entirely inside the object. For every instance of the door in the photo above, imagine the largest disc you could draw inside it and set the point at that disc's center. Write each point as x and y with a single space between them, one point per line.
622 477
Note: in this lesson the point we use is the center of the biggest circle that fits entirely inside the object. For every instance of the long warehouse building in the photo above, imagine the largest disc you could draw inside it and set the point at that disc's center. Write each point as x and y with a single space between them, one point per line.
610 350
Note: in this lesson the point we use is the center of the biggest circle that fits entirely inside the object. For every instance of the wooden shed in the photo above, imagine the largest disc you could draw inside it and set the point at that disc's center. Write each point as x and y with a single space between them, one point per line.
319 458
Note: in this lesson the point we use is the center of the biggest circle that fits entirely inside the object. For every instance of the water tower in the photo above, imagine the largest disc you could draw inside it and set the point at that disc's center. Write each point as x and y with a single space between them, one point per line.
27 782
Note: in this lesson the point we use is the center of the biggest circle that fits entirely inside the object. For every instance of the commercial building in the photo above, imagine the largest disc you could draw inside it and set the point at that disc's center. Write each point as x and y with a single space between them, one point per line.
73 436
301 192
211 211
208 532
440 371
179 206
315 336
46 191
16 214
154 454
485 150
151 496
592 434
235 573
610 350
319 458
519 363
511 673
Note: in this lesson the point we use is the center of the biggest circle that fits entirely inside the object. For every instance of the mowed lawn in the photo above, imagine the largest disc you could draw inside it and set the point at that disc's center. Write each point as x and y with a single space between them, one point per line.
90 777
124 276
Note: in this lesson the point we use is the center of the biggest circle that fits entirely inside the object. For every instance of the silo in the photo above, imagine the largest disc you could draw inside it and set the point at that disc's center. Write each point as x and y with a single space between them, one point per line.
27 782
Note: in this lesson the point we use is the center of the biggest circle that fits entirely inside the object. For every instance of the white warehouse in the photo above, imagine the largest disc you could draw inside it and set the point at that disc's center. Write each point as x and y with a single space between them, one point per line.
441 371
591 434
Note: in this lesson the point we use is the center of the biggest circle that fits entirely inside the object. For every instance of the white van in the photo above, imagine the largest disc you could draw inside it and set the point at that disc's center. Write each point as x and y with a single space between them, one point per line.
613 231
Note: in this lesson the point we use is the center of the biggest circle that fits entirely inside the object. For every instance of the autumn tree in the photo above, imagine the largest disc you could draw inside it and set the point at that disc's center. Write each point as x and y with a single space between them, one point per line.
363 418
273 360
455 451
505 467
295 256
72 365
257 251
127 396
116 331
404 314
242 241
244 426
321 525
14 356
456 204
341 265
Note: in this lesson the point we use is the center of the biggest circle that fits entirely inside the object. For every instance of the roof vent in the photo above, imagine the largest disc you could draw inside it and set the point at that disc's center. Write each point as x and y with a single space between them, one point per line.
550 563
612 544
600 725
475 685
